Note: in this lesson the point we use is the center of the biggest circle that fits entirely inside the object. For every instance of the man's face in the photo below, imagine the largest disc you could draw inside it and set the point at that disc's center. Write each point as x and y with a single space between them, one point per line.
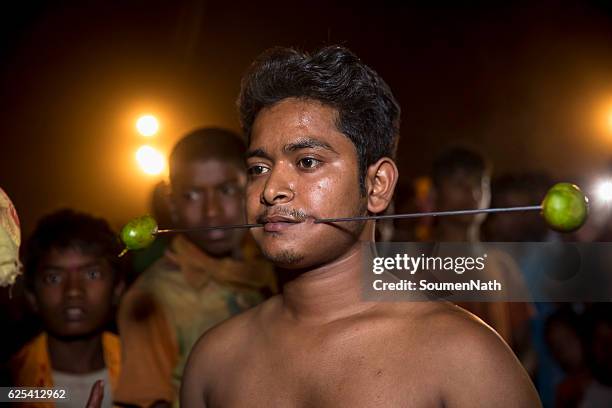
463 191
209 193
73 292
300 168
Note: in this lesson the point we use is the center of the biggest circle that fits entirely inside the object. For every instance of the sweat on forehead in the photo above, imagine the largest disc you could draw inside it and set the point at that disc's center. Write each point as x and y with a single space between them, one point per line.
208 144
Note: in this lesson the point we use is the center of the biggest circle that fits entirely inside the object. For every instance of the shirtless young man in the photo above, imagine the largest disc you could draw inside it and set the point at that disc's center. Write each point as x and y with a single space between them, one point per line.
323 129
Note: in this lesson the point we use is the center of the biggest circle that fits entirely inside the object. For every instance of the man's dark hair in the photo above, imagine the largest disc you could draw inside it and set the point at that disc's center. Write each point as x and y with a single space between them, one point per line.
368 114
458 158
69 229
208 143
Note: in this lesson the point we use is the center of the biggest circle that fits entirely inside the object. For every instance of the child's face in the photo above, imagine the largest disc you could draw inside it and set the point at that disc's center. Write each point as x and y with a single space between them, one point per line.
73 292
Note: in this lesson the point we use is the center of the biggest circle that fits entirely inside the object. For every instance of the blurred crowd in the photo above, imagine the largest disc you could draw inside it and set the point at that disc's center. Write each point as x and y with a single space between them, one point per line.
80 313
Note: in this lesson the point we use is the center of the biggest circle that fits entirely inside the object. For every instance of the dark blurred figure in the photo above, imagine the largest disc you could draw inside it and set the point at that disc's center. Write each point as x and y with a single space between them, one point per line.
517 190
160 209
562 333
73 280
598 333
411 197
404 202
461 181
551 322
385 229
204 277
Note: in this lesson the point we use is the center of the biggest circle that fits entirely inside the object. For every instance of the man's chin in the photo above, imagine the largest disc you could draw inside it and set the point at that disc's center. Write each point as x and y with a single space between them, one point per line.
75 333
286 259
216 249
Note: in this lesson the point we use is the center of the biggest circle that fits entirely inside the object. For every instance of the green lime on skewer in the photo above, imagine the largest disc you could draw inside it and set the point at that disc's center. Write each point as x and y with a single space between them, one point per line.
139 233
565 207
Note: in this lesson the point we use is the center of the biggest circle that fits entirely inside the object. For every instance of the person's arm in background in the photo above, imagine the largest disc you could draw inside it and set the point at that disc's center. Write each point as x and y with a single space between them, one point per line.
149 352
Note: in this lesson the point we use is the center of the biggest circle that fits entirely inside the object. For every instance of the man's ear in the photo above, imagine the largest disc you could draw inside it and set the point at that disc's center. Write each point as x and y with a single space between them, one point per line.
169 198
118 291
31 299
381 179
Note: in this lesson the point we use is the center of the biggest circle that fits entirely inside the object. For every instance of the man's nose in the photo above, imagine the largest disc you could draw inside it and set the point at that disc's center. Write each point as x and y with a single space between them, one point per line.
278 188
74 284
212 207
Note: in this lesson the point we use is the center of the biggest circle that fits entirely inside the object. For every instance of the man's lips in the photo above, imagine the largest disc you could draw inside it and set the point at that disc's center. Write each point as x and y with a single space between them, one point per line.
214 235
278 223
74 313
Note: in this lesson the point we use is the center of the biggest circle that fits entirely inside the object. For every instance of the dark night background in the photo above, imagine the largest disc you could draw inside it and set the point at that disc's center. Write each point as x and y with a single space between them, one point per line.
530 84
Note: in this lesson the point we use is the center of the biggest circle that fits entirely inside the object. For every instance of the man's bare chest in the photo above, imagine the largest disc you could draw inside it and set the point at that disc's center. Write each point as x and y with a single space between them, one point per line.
355 375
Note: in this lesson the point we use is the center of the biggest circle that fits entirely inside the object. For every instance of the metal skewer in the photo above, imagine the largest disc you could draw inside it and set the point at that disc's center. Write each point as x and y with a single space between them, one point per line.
369 217
430 214
219 227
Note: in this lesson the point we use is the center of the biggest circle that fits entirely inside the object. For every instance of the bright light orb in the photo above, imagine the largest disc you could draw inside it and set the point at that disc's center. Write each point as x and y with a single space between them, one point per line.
150 160
147 125
604 191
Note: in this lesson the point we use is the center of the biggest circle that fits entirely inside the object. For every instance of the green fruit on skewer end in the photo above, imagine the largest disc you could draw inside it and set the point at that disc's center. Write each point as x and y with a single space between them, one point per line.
139 233
565 207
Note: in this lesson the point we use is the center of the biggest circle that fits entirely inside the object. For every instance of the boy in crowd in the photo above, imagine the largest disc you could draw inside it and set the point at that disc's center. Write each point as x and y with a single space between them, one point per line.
73 280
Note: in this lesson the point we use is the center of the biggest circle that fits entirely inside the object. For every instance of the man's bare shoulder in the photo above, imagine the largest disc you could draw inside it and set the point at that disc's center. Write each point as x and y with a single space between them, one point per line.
473 361
229 337
219 352
444 320
455 334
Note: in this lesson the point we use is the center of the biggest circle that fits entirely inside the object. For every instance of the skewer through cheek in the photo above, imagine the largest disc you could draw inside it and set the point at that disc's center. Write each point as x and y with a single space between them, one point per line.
564 208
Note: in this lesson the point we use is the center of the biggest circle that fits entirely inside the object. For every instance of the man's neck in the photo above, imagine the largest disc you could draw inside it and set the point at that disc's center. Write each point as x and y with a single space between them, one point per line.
330 292
79 356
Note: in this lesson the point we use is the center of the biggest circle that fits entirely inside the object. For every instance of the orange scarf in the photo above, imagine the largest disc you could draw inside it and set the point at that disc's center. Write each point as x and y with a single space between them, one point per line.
31 366
252 273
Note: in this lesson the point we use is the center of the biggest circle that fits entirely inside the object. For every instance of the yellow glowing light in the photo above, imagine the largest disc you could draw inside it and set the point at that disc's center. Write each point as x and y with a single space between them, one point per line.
147 125
150 160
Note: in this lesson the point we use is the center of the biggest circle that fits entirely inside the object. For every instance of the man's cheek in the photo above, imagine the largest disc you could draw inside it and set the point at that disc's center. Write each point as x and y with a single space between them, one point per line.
190 214
99 292
49 299
252 209
234 208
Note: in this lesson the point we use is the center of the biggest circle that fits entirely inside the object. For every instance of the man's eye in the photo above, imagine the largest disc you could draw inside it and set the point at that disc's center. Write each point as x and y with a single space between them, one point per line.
53 278
191 195
229 189
309 163
257 170
93 273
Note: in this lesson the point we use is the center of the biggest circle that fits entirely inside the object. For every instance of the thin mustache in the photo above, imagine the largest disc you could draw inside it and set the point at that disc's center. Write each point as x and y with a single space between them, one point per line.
297 215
